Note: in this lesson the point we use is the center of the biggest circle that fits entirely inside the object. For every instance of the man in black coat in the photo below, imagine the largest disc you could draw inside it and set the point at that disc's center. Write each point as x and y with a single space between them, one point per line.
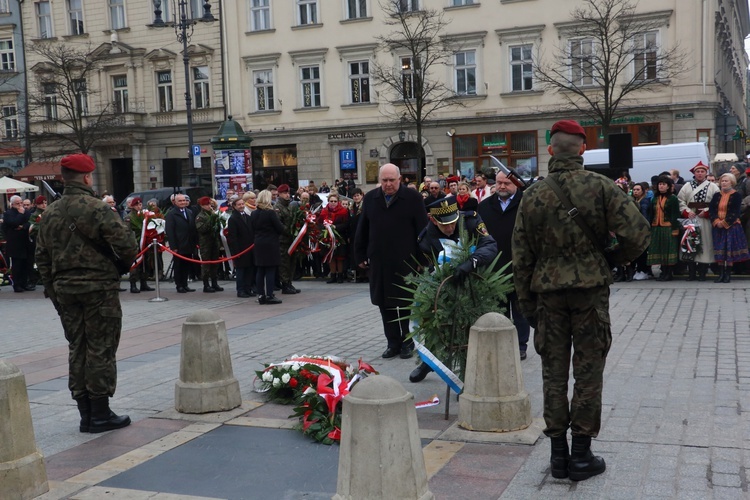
392 218
17 247
180 222
240 237
499 215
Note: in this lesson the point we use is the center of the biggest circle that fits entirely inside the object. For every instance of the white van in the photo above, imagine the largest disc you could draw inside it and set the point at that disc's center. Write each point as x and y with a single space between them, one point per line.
649 161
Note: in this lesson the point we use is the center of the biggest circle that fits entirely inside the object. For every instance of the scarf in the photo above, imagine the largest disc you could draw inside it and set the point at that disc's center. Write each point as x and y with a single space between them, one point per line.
699 196
461 199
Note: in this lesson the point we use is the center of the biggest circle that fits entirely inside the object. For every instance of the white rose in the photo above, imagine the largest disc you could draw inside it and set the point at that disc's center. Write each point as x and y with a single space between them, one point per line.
285 378
276 382
295 367
267 377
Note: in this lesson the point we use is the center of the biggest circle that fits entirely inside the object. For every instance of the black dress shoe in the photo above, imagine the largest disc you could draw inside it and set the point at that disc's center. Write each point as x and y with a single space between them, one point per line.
244 295
18 290
391 352
188 289
29 288
272 300
419 373
523 355
407 350
181 290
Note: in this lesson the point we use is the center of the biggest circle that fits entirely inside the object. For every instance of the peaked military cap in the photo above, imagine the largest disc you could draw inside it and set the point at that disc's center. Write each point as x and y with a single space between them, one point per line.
445 210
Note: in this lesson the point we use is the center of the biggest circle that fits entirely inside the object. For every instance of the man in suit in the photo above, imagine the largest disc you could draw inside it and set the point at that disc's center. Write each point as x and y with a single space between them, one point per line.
386 241
181 234
498 212
239 238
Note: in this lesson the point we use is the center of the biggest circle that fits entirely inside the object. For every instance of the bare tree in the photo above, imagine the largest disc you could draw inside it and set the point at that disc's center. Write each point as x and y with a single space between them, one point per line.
59 98
406 80
610 55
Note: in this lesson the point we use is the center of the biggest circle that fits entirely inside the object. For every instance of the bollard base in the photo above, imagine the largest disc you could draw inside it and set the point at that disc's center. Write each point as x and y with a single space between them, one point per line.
207 397
24 478
494 414
158 299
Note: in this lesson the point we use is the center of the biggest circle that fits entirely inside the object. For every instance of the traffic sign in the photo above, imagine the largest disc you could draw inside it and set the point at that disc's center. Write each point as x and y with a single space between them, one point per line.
196 156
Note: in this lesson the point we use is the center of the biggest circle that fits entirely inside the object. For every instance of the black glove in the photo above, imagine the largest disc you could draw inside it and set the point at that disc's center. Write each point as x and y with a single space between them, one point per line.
463 270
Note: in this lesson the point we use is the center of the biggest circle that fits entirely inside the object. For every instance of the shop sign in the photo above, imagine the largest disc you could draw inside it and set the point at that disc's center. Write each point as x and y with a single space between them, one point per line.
346 135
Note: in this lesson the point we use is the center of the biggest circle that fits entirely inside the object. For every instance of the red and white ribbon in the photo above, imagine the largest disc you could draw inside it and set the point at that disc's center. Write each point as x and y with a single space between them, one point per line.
329 254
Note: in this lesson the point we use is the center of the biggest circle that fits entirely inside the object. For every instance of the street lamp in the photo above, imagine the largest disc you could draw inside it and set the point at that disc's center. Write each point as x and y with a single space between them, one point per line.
183 29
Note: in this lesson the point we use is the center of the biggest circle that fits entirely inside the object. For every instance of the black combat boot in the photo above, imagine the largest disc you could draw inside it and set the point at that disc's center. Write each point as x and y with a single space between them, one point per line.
702 269
419 373
145 287
691 271
558 461
206 287
340 278
332 279
288 289
134 287
84 408
726 277
720 277
215 285
583 464
103 419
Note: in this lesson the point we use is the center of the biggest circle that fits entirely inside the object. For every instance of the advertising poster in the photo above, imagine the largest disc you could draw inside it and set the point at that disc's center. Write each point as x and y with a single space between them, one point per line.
232 170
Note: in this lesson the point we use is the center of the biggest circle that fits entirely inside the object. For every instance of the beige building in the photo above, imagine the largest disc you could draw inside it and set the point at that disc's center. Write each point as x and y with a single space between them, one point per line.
300 84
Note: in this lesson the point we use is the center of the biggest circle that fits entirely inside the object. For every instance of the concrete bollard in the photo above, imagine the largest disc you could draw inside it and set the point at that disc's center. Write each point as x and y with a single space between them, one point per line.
494 399
206 382
22 471
381 454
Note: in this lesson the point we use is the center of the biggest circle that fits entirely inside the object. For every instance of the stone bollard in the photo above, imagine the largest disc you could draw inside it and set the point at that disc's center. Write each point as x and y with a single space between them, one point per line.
22 471
381 453
493 399
206 382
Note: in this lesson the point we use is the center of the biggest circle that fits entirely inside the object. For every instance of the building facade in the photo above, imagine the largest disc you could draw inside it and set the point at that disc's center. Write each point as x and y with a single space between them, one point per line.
12 89
302 87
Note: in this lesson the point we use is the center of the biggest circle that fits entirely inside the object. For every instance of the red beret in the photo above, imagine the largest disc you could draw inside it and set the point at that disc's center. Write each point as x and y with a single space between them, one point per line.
284 188
699 165
204 200
135 201
39 200
78 163
569 127
747 171
453 178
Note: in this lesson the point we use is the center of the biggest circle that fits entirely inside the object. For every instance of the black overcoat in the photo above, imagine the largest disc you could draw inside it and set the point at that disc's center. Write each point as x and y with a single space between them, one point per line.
16 226
387 237
500 225
240 236
181 232
267 228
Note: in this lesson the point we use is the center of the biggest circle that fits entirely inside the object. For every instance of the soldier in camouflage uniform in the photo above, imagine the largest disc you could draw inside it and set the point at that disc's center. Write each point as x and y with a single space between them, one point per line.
284 210
79 238
562 280
209 244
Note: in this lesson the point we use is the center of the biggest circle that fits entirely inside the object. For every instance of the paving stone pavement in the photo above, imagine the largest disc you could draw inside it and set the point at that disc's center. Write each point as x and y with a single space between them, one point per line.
676 399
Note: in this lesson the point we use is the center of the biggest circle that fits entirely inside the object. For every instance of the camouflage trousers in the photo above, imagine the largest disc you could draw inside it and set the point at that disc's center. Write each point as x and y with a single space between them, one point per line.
285 267
209 271
92 323
577 319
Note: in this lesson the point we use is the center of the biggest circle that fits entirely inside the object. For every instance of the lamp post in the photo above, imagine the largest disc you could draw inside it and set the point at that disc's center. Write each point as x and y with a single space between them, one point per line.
183 29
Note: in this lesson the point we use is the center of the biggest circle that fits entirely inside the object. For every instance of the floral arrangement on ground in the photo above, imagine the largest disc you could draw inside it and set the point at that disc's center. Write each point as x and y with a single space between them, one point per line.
316 386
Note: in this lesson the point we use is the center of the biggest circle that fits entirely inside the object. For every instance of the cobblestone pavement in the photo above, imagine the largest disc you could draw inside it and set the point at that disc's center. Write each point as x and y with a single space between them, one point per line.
676 400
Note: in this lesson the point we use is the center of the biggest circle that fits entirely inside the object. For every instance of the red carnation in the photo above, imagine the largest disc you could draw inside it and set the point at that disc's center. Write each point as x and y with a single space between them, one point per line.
293 383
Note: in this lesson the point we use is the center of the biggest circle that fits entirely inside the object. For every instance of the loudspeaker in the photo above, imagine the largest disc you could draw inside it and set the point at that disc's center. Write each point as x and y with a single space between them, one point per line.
620 152
172 172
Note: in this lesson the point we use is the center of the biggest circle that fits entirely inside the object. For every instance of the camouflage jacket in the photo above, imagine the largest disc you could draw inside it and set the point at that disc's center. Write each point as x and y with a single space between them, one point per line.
208 237
68 264
550 251
284 210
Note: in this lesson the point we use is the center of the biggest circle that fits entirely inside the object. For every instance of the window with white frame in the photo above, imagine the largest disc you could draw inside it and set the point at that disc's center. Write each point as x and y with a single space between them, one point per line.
7 56
521 73
164 91
263 89
5 6
196 9
81 96
359 82
120 93
75 14
117 14
581 66
457 3
10 122
307 12
408 5
201 87
310 86
260 15
50 101
44 19
466 72
645 55
409 78
356 9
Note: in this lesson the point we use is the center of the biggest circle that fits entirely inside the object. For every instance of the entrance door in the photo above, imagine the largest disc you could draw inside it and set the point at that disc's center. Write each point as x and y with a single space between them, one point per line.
409 158
122 178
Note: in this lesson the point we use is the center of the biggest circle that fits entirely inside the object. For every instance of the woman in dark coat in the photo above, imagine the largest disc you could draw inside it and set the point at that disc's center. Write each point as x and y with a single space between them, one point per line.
339 216
240 236
730 245
267 228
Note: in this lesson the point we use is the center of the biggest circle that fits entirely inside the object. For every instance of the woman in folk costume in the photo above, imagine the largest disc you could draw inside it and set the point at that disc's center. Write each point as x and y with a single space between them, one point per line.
694 198
665 227
730 245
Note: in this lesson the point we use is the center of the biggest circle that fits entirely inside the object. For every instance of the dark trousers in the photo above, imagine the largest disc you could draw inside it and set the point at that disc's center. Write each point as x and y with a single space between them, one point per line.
19 269
522 324
265 276
181 271
245 279
396 329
